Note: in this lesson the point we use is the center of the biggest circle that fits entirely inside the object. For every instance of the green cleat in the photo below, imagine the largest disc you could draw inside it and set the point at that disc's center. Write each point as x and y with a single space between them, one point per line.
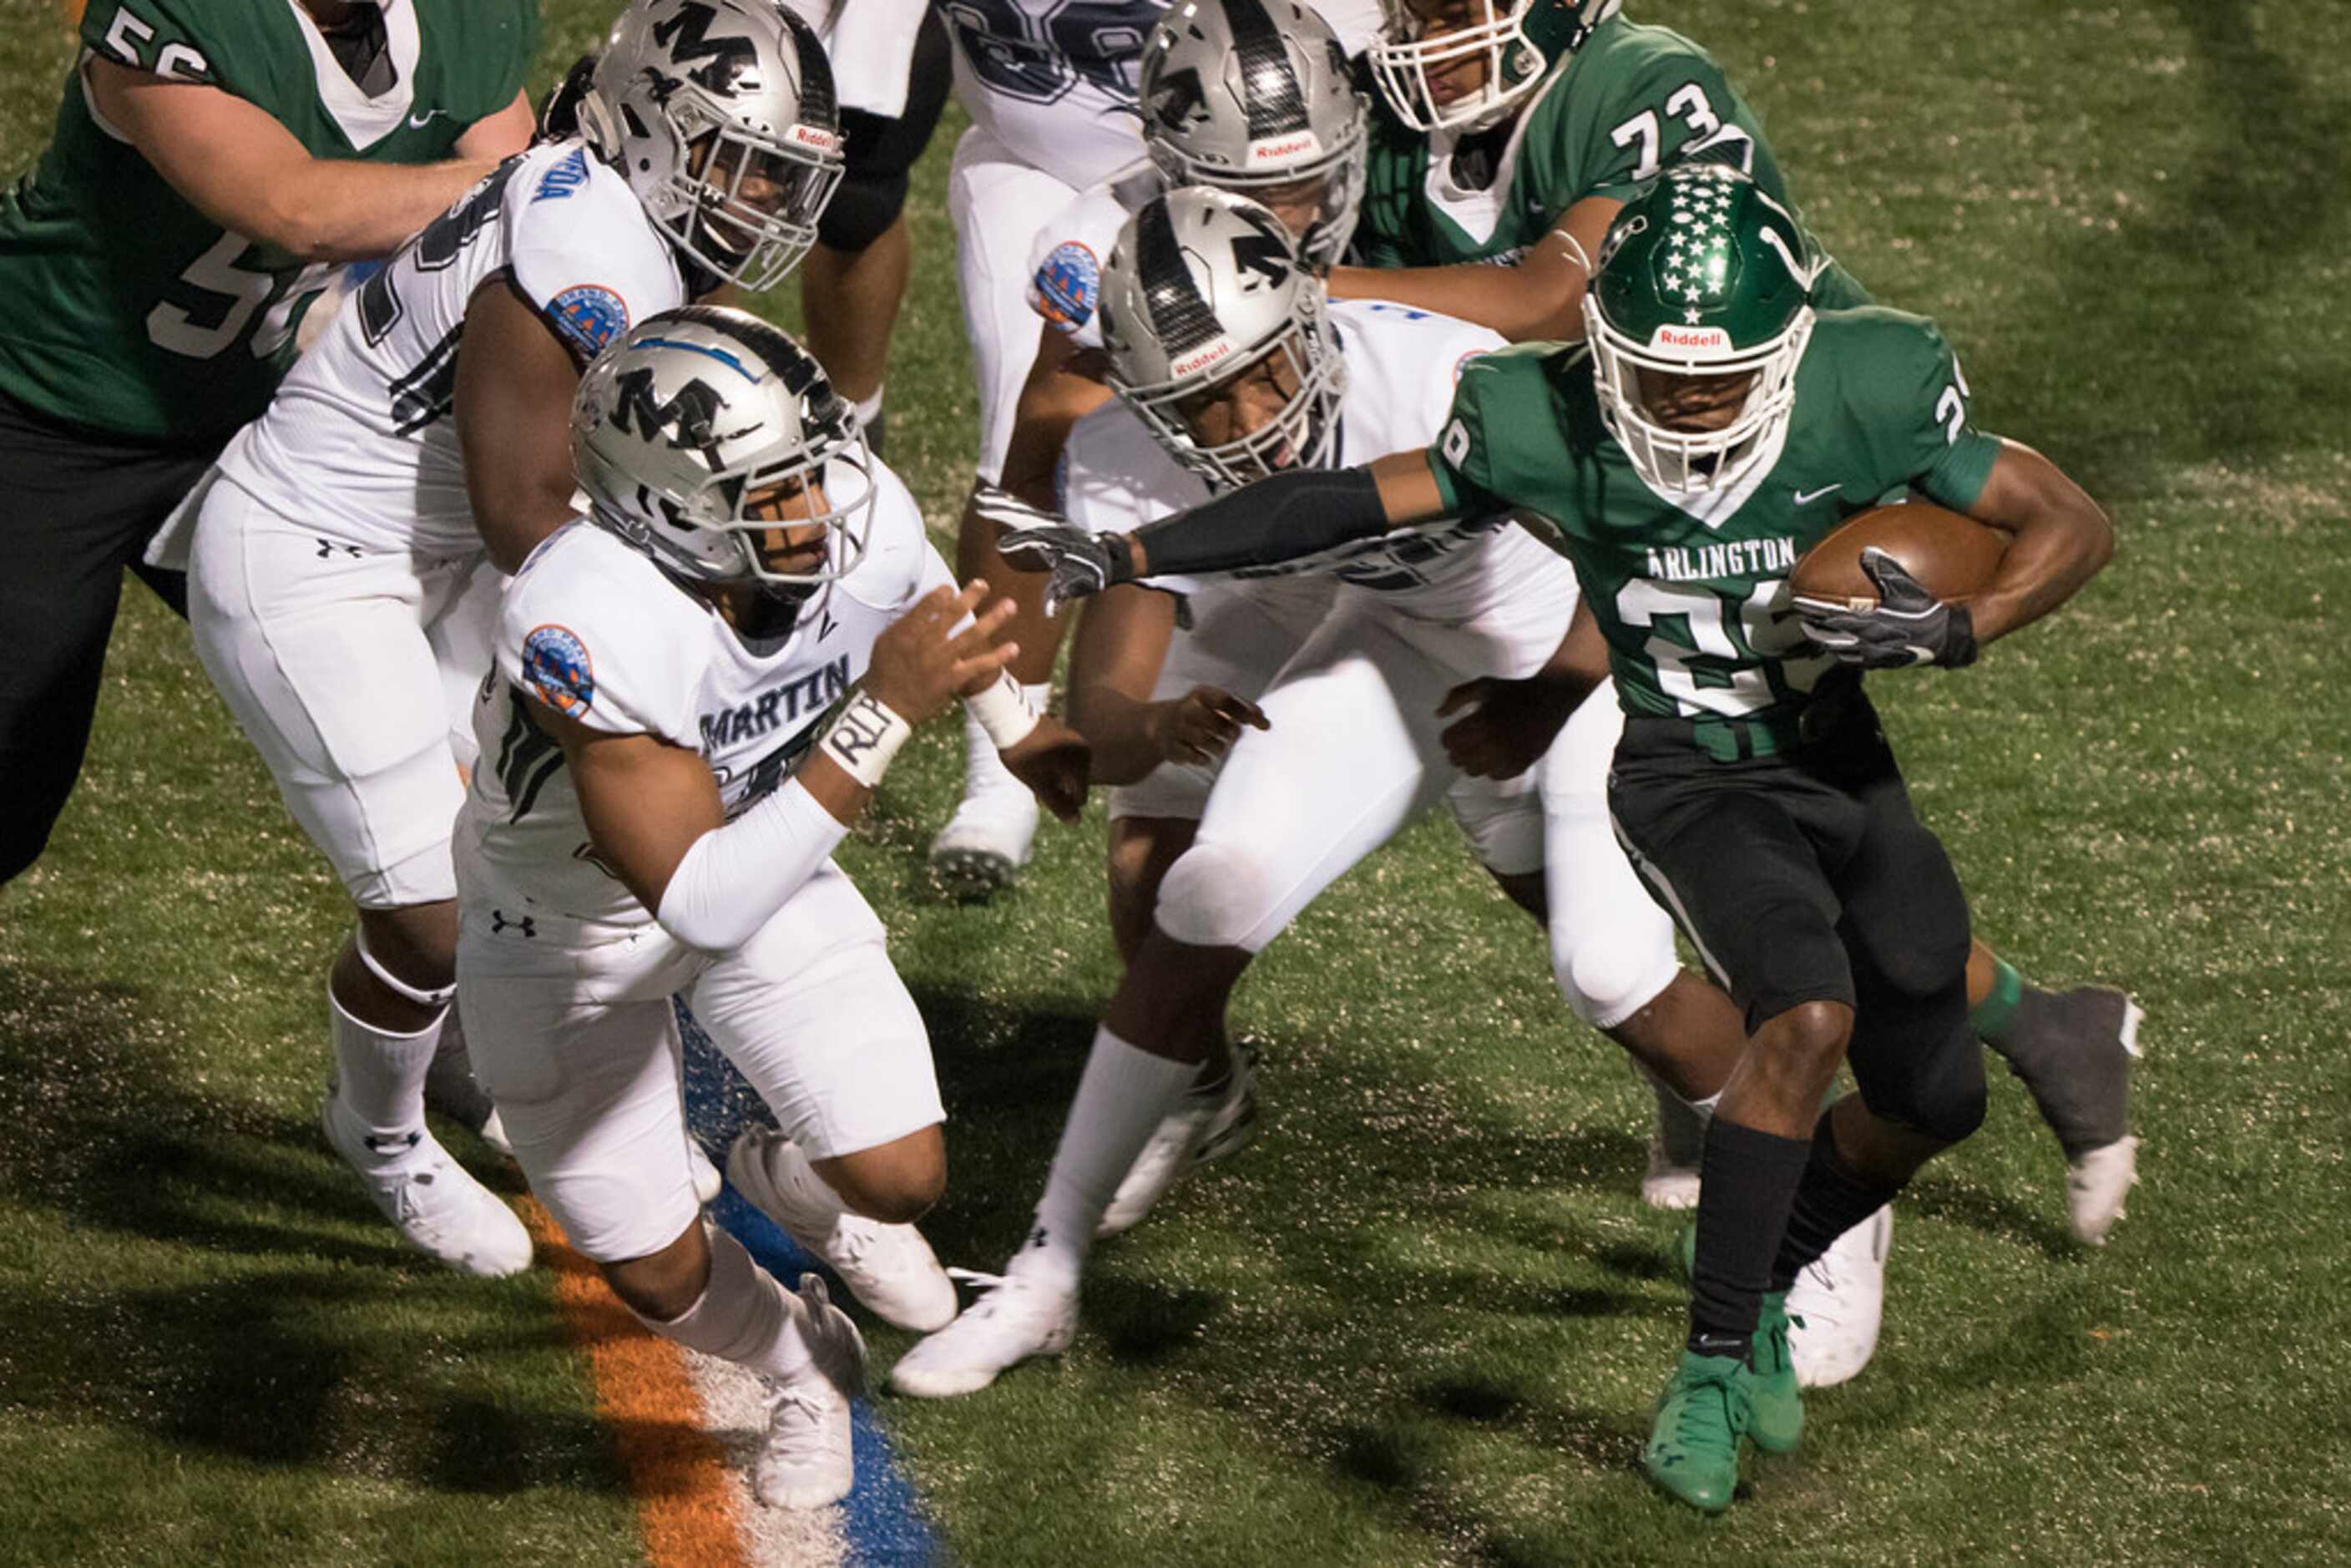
1703 1414
1779 1404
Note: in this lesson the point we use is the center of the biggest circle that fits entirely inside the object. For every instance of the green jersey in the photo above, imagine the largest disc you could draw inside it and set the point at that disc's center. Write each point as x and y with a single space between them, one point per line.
1628 103
1692 594
131 312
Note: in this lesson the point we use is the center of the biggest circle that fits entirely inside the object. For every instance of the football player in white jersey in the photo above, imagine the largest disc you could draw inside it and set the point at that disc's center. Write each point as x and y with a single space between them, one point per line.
1247 94
334 540
660 796
1221 344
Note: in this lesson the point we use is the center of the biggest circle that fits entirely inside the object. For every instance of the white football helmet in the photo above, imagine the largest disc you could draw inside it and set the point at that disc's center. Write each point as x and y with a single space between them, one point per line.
1520 41
722 117
1202 288
1253 96
698 414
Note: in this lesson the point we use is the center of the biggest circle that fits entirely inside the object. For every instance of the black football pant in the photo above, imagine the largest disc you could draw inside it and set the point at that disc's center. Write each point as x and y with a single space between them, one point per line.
77 506
1802 874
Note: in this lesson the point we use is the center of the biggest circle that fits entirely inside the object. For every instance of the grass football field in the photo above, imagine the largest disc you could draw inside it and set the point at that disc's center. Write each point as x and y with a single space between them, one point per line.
1422 1318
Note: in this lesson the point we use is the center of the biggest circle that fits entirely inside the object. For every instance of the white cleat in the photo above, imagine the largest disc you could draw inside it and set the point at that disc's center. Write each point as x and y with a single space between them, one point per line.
435 1205
708 1182
1837 1303
805 1460
2095 1186
1016 1319
985 842
890 1267
1209 1124
493 1132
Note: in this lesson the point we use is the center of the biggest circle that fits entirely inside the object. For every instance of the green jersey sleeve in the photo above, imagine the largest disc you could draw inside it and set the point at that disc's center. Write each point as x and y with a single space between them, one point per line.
1463 460
146 36
1910 403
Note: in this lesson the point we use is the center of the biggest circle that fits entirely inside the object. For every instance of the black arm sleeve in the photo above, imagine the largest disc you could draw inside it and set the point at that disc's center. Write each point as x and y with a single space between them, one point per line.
1301 512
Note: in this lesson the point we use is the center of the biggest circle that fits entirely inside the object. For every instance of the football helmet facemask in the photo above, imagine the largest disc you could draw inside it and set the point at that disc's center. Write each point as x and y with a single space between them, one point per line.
1205 289
722 117
691 430
1254 96
1701 275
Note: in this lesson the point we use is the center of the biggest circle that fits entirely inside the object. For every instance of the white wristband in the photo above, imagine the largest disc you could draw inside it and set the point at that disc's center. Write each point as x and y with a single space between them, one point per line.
1004 712
864 738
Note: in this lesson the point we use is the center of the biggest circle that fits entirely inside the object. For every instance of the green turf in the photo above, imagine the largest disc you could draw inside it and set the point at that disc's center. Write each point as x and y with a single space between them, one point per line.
1421 1320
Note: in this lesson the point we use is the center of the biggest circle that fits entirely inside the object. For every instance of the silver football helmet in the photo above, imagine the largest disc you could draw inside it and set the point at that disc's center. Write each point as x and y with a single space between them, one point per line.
1254 96
722 116
1518 40
1204 291
694 432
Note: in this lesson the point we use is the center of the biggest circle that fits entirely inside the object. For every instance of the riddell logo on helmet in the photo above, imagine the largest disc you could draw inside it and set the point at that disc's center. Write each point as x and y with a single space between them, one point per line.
1713 338
1221 349
1284 147
811 136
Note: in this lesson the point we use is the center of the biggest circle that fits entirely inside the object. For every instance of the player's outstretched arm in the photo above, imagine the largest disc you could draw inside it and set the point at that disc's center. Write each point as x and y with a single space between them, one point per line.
1283 518
1540 297
2062 539
248 173
652 808
513 409
1122 644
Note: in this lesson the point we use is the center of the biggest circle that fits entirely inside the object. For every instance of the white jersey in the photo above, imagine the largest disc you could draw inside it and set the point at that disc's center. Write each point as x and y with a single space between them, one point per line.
359 443
1401 366
871 47
593 629
1053 81
1066 258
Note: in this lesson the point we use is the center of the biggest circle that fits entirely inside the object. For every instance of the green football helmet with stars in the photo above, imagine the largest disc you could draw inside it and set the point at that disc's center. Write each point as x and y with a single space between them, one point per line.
1702 275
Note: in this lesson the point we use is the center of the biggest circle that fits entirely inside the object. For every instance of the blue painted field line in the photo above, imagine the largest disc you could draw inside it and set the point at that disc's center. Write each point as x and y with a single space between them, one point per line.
882 1517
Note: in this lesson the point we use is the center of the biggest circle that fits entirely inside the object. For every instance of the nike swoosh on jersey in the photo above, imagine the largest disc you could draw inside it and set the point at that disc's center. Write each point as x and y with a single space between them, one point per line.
1806 497
417 121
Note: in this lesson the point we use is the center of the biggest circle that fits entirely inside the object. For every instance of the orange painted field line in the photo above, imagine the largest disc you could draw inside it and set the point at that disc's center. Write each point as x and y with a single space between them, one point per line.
687 1511
72 8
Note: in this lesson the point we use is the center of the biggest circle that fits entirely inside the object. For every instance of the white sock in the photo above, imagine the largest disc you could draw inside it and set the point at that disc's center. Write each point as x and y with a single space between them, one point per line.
868 409
742 1316
379 1075
1125 1092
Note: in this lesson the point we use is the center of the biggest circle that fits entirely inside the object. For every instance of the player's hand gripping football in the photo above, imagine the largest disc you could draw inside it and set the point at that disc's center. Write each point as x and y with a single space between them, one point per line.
1056 763
1509 727
1908 626
1202 725
920 663
1078 563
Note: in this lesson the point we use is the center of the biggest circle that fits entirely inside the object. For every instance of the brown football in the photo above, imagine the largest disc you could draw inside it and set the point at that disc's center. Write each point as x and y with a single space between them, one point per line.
1951 556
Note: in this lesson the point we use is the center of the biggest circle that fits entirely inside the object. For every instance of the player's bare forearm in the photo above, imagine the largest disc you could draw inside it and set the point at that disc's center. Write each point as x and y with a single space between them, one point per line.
514 384
2062 539
1065 386
1121 642
248 173
1538 297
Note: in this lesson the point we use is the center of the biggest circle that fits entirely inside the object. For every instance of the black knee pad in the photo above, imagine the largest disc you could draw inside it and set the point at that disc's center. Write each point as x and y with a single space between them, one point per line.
860 211
881 152
1936 1089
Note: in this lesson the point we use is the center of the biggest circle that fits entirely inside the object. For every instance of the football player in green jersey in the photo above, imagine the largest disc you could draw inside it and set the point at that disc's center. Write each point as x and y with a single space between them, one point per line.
1717 426
209 166
1509 134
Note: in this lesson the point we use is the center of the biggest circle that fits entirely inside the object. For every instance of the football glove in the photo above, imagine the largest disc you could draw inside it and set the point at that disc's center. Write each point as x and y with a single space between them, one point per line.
1908 626
1076 564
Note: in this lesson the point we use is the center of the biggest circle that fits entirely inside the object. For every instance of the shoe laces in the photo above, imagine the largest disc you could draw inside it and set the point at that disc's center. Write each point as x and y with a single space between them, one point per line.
1706 1413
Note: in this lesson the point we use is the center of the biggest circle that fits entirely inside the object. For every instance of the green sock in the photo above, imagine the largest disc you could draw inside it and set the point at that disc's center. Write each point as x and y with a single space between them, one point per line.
1996 1011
